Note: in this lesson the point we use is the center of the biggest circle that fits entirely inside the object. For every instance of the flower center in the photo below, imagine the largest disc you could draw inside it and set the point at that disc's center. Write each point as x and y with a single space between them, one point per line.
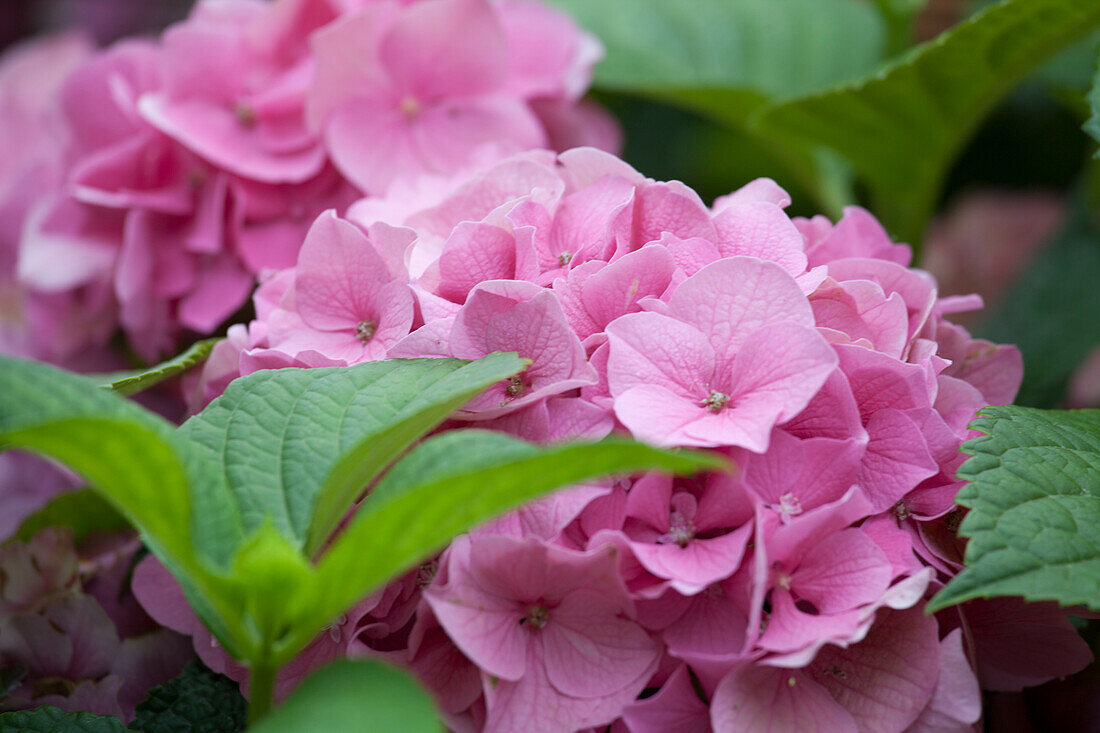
565 258
537 616
365 330
409 106
246 116
425 574
789 505
716 401
681 530
515 386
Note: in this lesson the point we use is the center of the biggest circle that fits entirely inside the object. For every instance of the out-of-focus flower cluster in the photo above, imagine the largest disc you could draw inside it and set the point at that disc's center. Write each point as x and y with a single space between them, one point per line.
72 634
787 596
144 187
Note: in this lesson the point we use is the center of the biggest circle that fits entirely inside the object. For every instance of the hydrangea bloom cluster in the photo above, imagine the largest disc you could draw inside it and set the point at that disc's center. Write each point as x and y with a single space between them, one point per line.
71 633
173 171
785 596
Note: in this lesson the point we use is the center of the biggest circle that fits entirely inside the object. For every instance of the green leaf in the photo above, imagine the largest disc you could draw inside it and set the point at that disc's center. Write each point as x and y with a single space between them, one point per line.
899 16
1092 126
50 719
725 59
1050 312
901 128
83 511
197 700
778 48
132 382
135 458
352 696
454 481
298 446
1034 499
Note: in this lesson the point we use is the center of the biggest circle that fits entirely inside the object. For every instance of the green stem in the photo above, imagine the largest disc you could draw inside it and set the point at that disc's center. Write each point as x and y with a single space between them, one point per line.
261 690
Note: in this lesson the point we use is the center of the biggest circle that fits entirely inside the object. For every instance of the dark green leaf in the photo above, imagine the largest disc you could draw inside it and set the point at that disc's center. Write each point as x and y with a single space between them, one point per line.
900 129
1034 499
197 700
128 383
298 446
83 511
1051 311
353 696
49 719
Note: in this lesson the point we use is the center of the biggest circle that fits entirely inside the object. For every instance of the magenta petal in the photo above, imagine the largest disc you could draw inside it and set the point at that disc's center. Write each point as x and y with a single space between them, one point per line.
591 650
956 703
676 707
885 680
757 699
533 705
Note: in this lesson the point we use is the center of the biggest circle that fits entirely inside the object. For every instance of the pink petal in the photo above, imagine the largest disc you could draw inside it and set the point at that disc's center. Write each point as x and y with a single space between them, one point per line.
448 134
760 229
339 275
446 48
957 700
731 299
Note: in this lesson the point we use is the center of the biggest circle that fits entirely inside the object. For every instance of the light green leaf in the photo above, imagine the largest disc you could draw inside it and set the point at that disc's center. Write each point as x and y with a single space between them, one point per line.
901 128
135 458
1092 126
83 511
352 696
139 462
298 446
777 48
1034 499
132 382
454 481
